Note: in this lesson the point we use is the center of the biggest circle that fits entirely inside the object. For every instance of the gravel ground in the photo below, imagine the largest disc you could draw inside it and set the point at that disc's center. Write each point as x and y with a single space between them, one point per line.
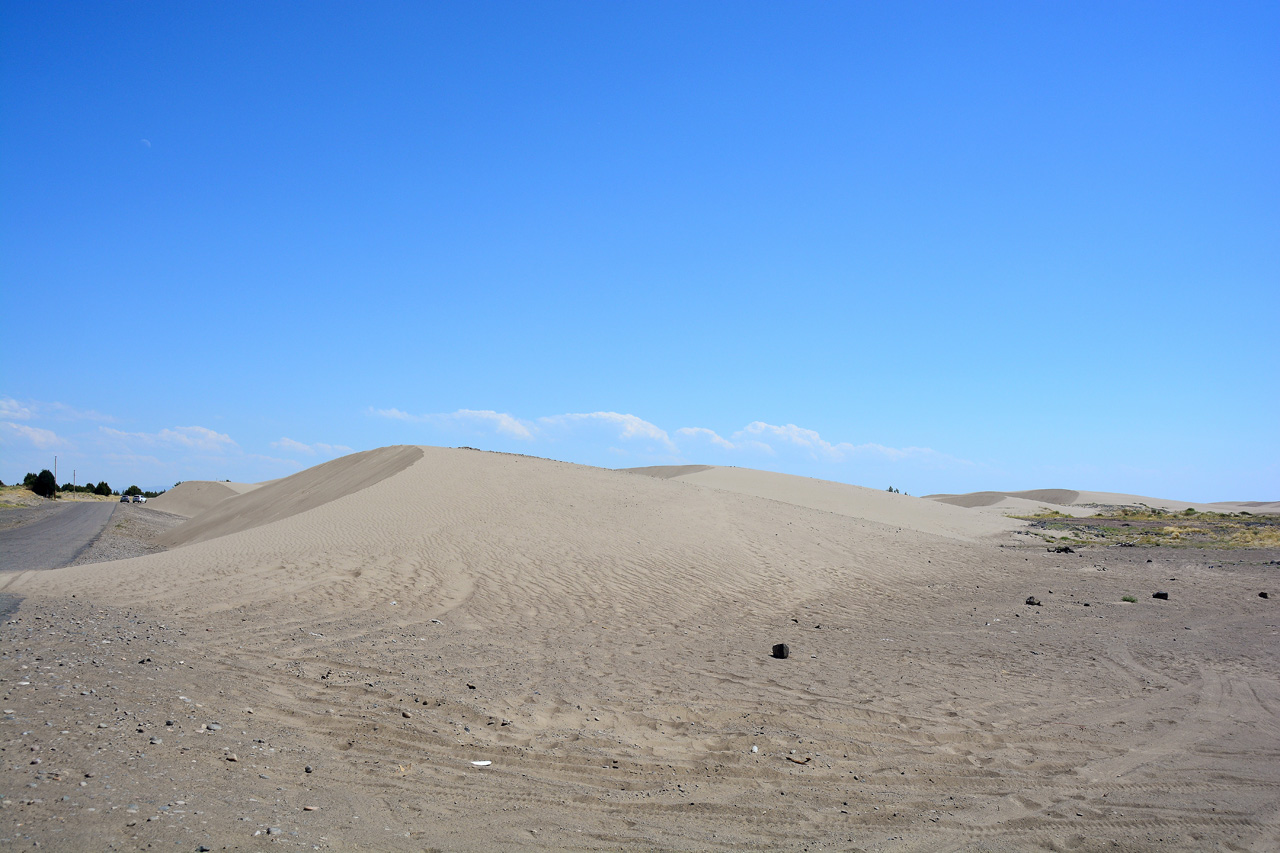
131 532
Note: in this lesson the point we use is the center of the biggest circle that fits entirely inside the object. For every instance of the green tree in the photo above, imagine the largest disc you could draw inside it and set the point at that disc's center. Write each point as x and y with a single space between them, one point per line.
102 489
133 490
44 485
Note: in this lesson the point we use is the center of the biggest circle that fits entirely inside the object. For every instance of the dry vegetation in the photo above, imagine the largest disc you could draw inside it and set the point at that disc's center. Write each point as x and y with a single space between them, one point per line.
1145 526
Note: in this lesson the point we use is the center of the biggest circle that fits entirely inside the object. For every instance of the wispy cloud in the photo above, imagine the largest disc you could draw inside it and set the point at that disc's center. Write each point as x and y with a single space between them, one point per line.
757 438
501 422
629 426
708 434
397 415
192 437
43 438
290 446
11 409
836 452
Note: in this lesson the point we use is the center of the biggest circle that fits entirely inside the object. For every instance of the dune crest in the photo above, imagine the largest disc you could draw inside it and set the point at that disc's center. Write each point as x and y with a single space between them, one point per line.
840 498
289 496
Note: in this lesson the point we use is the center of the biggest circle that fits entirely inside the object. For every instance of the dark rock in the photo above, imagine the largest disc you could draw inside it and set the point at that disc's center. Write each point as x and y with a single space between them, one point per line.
1061 549
1263 595
1033 601
1161 595
781 650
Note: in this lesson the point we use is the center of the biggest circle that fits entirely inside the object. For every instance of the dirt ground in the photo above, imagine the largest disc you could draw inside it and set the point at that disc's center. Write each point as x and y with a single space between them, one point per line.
938 715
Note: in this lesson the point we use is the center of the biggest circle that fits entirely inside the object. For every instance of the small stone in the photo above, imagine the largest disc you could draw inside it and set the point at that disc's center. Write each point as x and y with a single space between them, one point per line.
309 808
214 727
307 769
156 741
232 757
406 714
781 651
1263 595
1162 595
1033 601
275 830
170 723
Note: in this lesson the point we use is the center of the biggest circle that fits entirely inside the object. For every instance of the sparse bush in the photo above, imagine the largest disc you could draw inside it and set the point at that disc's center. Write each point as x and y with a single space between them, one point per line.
1129 598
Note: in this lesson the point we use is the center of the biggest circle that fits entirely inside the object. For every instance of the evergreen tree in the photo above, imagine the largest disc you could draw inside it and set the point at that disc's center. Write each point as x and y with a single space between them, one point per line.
44 485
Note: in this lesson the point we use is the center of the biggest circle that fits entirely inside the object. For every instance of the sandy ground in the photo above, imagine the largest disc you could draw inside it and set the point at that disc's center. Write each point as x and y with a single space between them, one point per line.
326 677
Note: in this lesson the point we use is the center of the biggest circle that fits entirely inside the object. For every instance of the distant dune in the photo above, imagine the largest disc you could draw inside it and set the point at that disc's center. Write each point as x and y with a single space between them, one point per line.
424 648
1027 501
858 502
193 497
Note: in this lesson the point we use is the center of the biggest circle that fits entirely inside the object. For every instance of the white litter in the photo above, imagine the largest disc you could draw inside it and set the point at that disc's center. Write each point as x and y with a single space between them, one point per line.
482 763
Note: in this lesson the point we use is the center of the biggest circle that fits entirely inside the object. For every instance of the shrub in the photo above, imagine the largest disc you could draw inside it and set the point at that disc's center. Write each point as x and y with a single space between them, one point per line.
44 485
1128 598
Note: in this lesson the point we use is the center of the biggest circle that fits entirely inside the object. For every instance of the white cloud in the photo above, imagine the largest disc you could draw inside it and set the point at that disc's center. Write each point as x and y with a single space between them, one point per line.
756 437
291 446
710 434
194 437
41 438
502 422
396 415
632 426
842 451
12 410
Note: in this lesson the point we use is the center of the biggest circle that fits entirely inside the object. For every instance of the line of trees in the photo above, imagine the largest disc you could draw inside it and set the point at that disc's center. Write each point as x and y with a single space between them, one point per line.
88 489
44 485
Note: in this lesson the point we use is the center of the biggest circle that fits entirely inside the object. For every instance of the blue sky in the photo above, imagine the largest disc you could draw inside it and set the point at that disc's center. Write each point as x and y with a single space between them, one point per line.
940 246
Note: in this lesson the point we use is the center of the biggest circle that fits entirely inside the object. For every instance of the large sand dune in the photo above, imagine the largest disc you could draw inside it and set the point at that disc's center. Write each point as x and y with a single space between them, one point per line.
364 631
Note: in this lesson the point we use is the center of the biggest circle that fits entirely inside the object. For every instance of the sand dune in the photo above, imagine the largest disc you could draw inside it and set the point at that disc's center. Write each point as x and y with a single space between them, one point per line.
899 511
195 496
364 631
1065 499
306 490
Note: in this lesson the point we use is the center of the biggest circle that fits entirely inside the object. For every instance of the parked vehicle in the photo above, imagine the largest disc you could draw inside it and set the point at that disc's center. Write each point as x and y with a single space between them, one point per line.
124 499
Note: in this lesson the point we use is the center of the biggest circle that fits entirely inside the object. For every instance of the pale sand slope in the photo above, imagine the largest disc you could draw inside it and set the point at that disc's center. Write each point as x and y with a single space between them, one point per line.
899 511
290 496
1086 503
193 497
603 640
